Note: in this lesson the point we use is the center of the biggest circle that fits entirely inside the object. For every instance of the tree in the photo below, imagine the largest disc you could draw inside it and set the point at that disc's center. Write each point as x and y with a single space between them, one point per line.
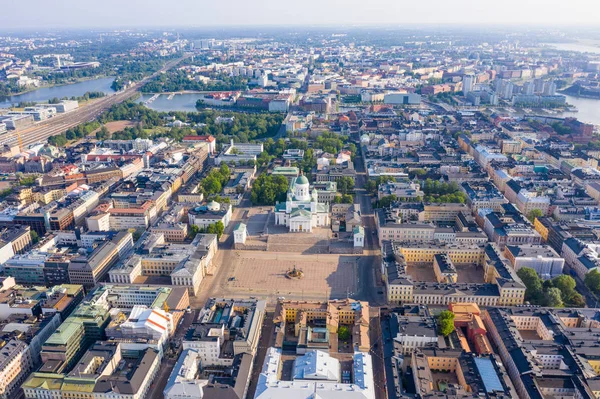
352 148
554 298
533 284
418 172
58 141
224 171
211 185
370 186
566 285
347 199
446 323
576 301
343 333
35 238
220 228
535 213
193 231
268 189
388 200
345 185
592 281
264 159
27 181
103 133
5 193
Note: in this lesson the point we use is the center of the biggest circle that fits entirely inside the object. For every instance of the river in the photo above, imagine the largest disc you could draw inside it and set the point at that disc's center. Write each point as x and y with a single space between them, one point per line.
180 102
70 90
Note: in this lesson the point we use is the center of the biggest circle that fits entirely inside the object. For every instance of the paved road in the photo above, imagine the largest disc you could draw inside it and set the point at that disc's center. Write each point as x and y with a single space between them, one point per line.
89 112
281 133
266 340
372 288
387 347
370 265
377 354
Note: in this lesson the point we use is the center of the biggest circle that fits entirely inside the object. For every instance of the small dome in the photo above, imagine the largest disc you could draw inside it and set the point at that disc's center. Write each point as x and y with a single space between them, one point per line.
214 206
301 180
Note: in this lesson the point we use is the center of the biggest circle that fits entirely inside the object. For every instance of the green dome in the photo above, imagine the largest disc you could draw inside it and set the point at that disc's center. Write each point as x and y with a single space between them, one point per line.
302 180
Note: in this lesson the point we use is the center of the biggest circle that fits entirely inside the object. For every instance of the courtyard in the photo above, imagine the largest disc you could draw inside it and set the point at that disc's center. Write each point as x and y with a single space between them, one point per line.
467 273
441 380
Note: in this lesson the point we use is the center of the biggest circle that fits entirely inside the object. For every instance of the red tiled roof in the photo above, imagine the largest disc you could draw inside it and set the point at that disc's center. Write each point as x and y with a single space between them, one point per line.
208 138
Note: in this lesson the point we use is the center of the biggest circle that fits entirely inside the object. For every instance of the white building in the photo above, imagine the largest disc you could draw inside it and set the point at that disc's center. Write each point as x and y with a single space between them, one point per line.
15 365
6 252
213 212
317 365
209 348
182 383
240 233
468 82
271 386
528 201
236 152
279 104
415 332
371 96
86 202
358 234
541 258
580 256
145 322
301 211
98 222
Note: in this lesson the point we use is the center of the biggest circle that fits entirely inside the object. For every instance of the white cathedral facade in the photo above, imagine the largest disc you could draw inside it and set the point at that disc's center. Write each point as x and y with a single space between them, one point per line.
301 211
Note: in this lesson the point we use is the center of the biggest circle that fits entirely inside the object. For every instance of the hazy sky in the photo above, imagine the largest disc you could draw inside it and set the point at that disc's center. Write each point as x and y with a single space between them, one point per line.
196 13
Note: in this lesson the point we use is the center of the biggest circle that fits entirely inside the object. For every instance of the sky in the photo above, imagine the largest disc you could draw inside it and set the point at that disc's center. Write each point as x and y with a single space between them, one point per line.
42 14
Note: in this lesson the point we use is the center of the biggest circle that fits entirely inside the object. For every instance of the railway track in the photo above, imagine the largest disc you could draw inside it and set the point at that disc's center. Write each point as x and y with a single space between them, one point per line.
40 132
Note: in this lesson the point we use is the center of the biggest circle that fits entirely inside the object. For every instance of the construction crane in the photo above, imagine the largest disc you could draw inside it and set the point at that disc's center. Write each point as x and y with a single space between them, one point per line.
19 140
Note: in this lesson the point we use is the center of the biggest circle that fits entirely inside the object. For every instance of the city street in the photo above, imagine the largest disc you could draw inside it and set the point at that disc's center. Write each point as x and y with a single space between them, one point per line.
169 361
267 339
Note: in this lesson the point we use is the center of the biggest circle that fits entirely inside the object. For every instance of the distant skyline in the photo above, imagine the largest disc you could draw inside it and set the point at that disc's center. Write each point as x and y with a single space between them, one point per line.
38 14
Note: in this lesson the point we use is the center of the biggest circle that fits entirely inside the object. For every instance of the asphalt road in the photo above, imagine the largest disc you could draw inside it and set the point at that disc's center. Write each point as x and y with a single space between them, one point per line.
371 286
370 264
266 340
387 347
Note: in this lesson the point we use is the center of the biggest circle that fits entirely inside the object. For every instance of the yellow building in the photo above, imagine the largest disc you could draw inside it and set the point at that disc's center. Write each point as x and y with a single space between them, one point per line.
335 313
500 286
48 196
458 253
540 228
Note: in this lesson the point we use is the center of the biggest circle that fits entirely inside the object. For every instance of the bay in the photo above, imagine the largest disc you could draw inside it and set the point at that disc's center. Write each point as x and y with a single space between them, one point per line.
588 109
71 90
